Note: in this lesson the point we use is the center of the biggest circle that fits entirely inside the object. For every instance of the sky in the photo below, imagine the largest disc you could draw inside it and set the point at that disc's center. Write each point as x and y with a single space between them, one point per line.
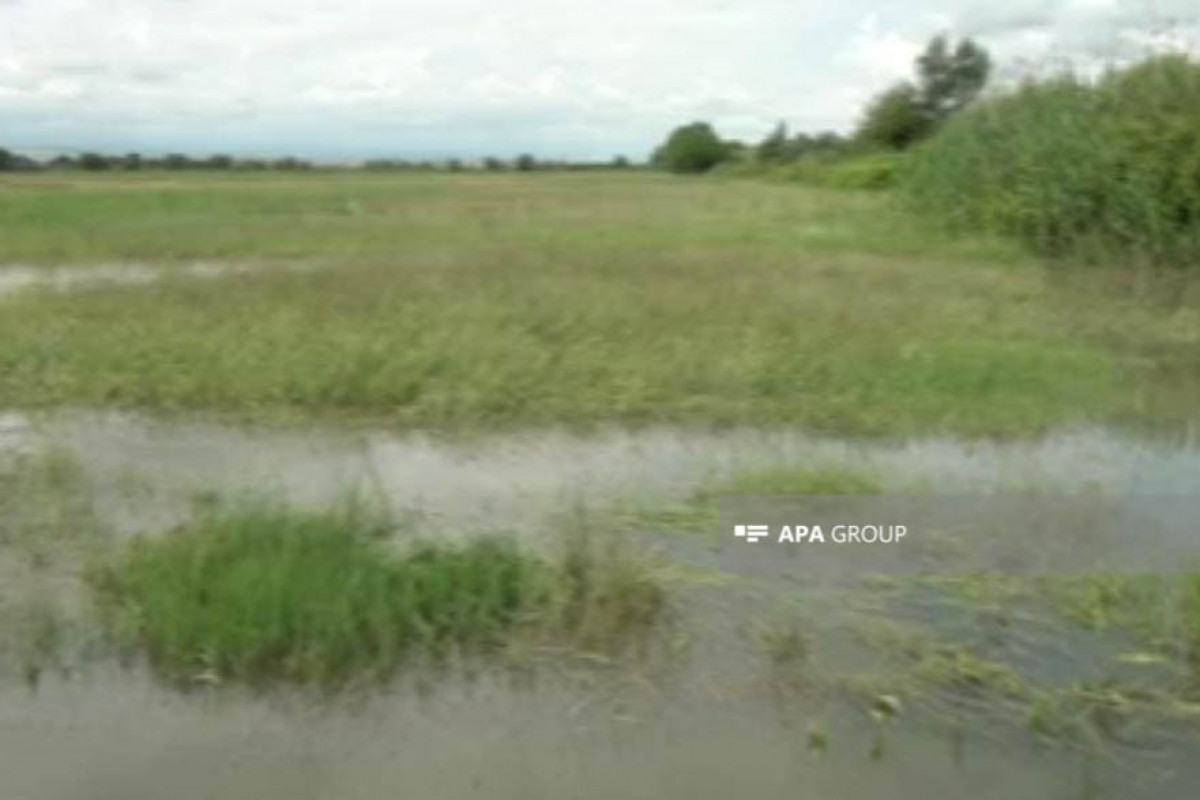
350 79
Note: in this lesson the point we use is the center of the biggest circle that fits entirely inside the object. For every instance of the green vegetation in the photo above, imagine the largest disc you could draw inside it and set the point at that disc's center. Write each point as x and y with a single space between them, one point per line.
948 80
863 171
691 148
256 593
473 301
1103 171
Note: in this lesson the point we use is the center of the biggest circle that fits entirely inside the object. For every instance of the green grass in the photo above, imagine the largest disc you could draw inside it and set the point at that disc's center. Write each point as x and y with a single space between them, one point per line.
458 302
260 593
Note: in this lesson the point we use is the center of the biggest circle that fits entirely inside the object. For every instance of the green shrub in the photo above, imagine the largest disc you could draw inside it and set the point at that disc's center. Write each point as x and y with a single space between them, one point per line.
875 171
864 171
693 148
1105 170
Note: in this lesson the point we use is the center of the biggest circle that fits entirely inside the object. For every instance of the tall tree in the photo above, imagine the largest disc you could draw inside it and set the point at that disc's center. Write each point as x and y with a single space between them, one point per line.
949 79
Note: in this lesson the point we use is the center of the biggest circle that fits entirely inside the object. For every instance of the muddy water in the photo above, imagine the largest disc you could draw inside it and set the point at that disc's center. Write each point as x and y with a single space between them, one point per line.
120 738
148 470
719 724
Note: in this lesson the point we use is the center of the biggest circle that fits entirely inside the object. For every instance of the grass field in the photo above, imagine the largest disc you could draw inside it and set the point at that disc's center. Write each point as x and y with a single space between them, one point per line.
473 301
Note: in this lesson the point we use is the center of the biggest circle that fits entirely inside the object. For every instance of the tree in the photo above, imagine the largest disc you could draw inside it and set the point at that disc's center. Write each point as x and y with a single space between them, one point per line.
950 80
895 119
176 161
947 81
93 161
775 147
525 163
691 148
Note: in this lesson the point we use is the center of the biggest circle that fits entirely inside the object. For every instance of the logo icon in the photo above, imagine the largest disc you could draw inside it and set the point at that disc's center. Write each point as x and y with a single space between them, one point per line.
751 533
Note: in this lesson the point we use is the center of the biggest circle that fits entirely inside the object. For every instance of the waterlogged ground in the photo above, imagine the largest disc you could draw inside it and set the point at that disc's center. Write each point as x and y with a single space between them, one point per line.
760 687
467 353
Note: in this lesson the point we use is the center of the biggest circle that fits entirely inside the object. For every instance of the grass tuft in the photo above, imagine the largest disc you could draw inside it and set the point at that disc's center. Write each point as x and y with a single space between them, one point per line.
261 593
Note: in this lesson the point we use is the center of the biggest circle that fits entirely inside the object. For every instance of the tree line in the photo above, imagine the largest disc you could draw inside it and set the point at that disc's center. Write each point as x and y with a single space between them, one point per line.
132 162
949 76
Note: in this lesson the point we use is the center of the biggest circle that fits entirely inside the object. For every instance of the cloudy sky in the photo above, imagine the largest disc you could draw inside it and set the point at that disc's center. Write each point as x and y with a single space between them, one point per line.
334 79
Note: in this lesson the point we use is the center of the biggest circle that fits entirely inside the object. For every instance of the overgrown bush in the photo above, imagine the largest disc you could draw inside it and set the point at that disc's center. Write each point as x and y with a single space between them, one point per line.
1103 170
864 171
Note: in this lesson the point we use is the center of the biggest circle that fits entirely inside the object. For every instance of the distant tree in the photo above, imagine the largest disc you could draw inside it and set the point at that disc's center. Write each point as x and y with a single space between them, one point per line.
62 162
219 162
895 119
774 148
176 161
454 165
493 164
7 160
691 148
290 164
131 161
949 79
525 163
93 162
619 162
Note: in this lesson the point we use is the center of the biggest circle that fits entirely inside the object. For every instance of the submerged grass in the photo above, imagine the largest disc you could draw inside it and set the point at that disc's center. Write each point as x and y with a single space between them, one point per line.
486 301
699 512
48 531
262 593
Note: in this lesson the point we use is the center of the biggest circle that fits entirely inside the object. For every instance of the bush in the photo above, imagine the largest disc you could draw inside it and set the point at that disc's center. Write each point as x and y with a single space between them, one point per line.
869 171
1098 171
876 171
693 148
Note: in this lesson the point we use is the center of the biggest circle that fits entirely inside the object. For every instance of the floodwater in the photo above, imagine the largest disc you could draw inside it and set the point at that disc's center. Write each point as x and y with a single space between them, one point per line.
148 470
16 278
721 721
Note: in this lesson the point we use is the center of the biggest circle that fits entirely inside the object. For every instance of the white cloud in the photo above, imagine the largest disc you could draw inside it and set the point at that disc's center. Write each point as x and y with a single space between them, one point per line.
472 76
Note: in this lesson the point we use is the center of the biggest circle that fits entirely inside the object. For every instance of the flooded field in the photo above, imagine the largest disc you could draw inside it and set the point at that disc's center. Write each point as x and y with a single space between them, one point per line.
757 687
